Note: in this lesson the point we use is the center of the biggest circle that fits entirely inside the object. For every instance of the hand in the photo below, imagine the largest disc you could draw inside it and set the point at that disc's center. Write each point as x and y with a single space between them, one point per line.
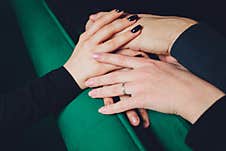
82 66
154 85
132 115
159 32
99 39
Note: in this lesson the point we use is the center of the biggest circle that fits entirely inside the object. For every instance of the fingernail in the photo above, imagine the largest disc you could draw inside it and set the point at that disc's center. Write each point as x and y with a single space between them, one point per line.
136 29
91 93
132 18
96 55
146 124
134 120
102 110
89 83
118 10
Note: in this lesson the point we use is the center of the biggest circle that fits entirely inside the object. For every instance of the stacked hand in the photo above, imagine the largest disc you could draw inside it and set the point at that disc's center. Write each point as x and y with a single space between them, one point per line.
159 32
100 37
164 86
155 85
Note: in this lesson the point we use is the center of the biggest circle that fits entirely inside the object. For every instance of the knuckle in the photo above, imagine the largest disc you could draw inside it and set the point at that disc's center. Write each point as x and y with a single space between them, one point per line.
113 59
106 31
113 44
105 80
98 23
82 36
124 61
99 92
117 24
116 89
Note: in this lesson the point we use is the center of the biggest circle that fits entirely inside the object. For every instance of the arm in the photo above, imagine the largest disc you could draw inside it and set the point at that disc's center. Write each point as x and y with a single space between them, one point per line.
186 95
39 98
202 51
53 91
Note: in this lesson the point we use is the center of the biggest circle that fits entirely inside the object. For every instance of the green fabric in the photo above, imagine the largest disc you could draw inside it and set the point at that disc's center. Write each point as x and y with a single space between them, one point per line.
82 127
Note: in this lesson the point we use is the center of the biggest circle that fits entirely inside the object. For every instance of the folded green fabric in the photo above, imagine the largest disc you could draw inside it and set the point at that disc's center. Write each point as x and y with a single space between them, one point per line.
82 127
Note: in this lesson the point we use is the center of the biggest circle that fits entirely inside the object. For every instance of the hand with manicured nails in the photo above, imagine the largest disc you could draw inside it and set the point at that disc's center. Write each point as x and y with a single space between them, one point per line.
98 38
159 32
154 85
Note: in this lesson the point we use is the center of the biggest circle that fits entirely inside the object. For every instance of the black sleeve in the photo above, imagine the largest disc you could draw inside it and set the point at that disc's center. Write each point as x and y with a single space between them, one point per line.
209 132
203 50
37 99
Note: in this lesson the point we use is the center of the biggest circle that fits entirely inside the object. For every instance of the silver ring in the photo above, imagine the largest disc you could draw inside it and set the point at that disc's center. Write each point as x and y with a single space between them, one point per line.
124 89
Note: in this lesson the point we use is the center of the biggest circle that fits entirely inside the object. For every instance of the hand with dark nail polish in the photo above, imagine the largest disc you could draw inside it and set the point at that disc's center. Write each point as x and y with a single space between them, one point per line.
132 18
118 10
136 29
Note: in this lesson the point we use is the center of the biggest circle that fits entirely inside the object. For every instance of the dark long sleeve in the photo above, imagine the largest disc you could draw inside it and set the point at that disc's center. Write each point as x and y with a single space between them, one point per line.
202 50
209 132
37 99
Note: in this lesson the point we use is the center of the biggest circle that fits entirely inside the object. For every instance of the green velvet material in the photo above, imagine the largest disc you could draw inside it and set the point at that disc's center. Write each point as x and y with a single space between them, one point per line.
82 127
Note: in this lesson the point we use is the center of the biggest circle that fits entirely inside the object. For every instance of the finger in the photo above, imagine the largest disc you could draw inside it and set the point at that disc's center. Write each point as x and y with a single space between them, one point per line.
132 53
111 91
102 21
121 106
89 24
172 61
111 78
167 59
133 117
120 60
116 26
145 117
93 18
131 114
108 101
117 42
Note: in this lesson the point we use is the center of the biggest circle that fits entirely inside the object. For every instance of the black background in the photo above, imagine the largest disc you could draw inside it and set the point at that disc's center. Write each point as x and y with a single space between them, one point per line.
16 68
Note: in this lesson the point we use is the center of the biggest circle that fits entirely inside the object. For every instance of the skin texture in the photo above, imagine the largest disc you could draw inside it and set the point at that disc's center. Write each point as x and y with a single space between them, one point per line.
98 38
155 85
158 34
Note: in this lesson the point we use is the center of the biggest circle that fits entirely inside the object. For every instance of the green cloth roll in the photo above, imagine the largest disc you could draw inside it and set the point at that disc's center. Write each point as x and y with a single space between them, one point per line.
81 126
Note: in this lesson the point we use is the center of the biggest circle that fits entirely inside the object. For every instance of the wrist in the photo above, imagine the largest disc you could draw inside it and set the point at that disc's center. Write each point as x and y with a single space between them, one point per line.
182 24
74 71
199 106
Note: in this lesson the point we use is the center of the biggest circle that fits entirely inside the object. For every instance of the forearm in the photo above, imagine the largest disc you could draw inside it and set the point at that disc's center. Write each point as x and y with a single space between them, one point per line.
39 98
202 51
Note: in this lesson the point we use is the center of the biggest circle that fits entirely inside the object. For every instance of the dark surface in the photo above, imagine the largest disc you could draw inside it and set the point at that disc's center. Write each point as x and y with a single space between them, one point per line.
209 11
16 70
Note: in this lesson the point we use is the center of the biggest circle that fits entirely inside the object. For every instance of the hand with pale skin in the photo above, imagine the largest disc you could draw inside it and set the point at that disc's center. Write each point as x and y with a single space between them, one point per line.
132 115
155 85
98 38
159 32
